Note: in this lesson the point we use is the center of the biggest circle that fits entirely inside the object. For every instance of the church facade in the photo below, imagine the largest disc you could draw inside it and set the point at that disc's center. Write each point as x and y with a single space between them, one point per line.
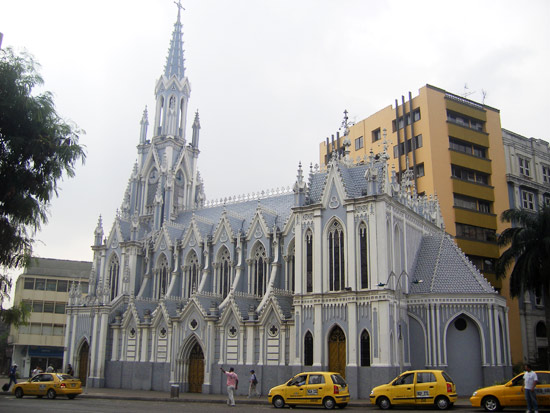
349 270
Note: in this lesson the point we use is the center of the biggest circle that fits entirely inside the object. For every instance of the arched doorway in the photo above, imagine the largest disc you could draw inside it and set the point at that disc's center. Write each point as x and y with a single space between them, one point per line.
83 362
337 351
196 369
464 354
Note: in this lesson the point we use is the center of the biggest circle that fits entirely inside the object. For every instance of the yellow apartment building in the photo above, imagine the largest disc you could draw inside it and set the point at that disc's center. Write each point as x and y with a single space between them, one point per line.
44 286
454 148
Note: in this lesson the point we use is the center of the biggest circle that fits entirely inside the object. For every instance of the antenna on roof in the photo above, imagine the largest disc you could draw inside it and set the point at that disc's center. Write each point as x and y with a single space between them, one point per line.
467 91
484 95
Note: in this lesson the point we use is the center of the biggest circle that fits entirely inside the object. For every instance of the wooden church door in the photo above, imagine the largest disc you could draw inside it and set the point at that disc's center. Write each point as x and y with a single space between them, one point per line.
196 369
83 363
337 351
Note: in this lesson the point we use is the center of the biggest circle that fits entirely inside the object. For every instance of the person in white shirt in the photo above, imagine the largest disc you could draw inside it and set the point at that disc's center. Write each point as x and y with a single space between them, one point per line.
530 381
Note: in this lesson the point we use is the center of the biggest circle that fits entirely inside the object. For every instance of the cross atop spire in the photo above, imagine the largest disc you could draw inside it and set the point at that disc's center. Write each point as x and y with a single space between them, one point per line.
175 61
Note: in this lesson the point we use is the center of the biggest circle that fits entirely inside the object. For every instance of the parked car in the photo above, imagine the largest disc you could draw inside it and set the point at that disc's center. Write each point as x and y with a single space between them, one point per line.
416 388
49 385
311 388
511 394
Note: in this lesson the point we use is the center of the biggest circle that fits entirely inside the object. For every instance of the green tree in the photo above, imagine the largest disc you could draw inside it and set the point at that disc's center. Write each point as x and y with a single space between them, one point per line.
528 254
36 148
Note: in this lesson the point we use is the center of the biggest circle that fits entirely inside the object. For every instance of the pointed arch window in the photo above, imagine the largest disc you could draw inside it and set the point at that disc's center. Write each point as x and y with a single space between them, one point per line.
365 348
224 273
152 183
309 261
114 270
259 270
191 274
363 256
336 264
291 270
161 284
308 349
398 251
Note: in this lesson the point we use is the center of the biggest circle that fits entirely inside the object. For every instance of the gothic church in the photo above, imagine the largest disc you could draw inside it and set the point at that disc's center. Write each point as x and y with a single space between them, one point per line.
349 270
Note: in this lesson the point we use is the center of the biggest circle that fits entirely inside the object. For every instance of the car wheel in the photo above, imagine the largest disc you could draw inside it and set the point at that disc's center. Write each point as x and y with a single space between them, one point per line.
329 403
71 396
442 403
342 405
51 394
490 404
383 403
278 402
19 392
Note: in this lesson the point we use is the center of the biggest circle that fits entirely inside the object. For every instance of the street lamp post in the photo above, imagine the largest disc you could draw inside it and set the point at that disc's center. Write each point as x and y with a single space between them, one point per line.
398 313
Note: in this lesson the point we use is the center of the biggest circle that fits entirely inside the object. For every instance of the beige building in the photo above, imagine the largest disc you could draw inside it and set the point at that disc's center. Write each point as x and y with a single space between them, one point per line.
528 177
44 286
453 147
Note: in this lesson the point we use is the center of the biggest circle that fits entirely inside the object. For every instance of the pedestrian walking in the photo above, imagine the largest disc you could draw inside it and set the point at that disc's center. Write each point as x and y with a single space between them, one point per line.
253 380
530 381
36 371
12 375
232 385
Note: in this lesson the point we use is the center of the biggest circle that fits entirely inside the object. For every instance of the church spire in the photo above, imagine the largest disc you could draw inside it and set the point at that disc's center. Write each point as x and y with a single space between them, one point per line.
175 61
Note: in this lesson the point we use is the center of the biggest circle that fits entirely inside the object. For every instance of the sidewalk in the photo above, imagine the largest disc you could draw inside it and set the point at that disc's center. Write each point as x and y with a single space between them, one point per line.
150 395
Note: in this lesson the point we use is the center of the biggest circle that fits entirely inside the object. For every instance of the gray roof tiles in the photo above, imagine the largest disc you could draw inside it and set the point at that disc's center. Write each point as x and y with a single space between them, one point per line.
443 268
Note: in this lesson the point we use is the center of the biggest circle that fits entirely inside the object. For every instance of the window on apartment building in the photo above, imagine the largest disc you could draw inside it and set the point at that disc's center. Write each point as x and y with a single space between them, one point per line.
546 200
412 143
84 287
359 143
406 120
475 233
60 308
459 145
29 283
475 204
48 307
483 264
524 167
58 330
36 328
528 200
47 329
38 306
469 175
376 135
546 174
51 285
62 286
465 121
420 170
40 284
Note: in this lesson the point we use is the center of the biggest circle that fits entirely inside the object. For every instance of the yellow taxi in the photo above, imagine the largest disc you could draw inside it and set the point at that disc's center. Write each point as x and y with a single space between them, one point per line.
416 388
494 398
49 385
311 388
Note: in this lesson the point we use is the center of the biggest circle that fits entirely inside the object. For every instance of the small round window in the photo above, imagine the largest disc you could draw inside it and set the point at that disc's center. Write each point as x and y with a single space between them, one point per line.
460 324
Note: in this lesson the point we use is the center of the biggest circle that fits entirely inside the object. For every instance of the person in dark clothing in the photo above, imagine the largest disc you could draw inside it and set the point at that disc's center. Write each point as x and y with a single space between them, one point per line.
13 374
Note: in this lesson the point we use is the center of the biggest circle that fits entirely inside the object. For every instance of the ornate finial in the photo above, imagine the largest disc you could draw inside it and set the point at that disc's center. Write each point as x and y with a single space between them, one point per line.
180 7
346 124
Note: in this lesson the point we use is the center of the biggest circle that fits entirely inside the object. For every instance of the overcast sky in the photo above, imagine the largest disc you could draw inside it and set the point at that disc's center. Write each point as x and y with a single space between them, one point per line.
270 80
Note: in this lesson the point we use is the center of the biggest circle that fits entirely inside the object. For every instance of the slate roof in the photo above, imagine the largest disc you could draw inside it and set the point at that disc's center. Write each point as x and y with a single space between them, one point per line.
443 268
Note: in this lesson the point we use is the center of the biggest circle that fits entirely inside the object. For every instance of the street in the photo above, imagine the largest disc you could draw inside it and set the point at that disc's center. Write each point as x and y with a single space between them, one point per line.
94 405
